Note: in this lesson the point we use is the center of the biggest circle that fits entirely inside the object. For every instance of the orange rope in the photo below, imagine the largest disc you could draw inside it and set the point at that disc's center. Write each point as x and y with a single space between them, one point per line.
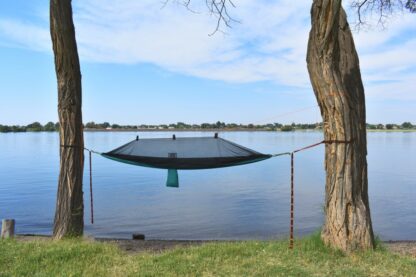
292 182
292 198
91 198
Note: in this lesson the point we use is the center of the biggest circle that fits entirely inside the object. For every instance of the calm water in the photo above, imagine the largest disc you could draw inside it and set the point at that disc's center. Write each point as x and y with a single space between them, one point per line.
244 202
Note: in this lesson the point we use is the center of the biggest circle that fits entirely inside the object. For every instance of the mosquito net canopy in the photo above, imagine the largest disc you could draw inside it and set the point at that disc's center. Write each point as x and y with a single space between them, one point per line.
184 153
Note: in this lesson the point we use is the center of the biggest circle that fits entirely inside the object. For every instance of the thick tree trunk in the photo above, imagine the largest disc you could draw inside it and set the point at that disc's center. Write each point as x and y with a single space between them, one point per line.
69 215
336 79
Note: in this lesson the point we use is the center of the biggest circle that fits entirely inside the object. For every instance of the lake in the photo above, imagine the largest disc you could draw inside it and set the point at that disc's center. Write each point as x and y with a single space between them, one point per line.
243 202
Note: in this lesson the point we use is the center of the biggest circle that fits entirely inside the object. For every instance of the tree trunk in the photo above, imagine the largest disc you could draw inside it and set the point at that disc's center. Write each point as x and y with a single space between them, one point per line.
69 214
336 79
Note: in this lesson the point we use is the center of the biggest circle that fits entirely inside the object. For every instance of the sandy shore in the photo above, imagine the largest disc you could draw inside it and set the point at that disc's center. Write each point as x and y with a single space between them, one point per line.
402 247
155 246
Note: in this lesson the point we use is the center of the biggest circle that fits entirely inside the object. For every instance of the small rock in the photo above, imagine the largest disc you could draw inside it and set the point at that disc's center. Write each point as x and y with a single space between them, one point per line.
137 236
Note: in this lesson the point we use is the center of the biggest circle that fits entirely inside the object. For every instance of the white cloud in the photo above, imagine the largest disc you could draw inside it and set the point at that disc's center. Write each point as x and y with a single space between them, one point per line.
388 59
24 35
268 45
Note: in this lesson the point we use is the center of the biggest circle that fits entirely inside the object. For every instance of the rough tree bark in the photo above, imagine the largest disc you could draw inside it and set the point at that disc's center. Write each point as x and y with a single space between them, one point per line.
69 215
336 79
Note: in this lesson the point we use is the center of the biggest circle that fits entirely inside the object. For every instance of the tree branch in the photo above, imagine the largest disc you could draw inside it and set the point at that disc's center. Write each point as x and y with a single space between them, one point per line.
384 9
218 8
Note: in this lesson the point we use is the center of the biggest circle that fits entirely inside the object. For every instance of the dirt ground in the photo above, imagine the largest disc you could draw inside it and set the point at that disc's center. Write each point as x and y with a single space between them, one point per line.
129 245
137 246
402 247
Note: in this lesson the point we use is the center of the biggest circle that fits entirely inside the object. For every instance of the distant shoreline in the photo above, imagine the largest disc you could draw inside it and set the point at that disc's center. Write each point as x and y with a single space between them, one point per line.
392 131
204 127
217 130
189 130
231 130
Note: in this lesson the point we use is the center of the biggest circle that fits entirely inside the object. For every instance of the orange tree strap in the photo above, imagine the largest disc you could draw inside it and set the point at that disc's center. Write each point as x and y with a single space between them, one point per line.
292 181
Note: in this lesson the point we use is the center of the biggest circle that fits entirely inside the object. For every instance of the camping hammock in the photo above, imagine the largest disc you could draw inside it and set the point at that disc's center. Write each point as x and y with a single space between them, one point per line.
184 153
194 153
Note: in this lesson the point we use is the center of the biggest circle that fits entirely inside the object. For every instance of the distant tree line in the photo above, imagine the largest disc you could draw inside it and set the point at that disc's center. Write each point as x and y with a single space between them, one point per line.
403 126
206 126
33 127
52 127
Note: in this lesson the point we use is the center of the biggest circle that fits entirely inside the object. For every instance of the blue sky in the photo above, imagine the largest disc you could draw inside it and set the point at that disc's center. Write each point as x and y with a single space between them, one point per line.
144 64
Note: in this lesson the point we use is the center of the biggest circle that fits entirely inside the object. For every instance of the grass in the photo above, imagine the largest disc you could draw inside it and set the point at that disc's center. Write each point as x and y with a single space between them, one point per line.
251 258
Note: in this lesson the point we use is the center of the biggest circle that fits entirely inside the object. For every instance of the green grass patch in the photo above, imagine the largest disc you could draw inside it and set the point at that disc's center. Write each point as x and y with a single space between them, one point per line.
250 258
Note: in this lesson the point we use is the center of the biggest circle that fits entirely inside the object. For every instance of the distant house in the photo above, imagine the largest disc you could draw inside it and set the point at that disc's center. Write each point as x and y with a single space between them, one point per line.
108 128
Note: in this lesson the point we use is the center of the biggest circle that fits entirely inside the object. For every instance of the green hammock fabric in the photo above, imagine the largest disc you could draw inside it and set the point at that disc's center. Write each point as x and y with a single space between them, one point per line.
173 179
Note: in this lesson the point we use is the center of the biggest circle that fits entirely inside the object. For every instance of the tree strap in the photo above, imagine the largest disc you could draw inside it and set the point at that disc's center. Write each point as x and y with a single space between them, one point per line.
292 181
70 146
91 198
90 164
91 195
